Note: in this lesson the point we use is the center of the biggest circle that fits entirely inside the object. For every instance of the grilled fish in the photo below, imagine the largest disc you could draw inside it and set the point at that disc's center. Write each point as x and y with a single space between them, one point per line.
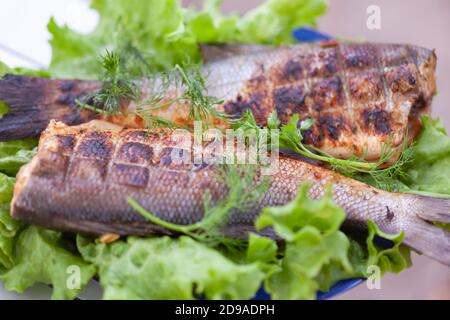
360 95
80 180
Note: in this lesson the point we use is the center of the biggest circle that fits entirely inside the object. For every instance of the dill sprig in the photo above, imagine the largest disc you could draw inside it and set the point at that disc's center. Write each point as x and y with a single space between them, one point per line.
202 106
117 86
127 74
245 189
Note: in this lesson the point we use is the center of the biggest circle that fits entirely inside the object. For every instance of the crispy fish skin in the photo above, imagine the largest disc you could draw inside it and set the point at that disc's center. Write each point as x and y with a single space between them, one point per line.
361 95
80 179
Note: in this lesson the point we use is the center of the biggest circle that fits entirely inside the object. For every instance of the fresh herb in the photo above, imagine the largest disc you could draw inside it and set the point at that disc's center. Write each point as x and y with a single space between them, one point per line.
185 80
390 177
291 137
195 93
244 191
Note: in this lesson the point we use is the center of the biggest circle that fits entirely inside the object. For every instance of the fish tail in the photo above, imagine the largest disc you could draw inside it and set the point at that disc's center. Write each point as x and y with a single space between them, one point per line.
32 102
424 235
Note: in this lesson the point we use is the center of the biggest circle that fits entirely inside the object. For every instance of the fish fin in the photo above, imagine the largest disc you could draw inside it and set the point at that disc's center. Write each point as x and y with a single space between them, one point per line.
215 52
426 237
32 102
430 240
434 209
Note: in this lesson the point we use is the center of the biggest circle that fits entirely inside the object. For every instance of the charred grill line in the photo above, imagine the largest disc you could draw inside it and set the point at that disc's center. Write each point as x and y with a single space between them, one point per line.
113 161
413 54
345 80
387 95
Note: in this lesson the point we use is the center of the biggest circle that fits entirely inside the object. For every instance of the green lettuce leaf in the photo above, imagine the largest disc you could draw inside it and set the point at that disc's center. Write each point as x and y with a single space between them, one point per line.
40 258
8 226
317 253
313 240
166 33
4 69
165 268
273 21
6 254
430 170
303 211
394 258
261 249
14 154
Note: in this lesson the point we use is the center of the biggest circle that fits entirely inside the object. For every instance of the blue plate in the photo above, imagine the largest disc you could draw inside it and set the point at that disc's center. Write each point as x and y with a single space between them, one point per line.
311 35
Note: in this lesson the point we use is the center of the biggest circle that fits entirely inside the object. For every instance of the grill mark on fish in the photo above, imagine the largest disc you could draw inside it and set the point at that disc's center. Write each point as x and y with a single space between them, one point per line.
289 101
135 152
93 201
387 95
377 120
129 175
292 70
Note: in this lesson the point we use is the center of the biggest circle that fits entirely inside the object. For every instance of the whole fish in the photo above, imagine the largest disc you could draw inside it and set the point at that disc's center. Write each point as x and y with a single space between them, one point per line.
361 95
80 180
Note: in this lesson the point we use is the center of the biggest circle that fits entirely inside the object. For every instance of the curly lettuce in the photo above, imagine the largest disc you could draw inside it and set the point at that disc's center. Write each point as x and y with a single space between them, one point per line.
165 33
39 257
165 268
430 170
28 254
317 253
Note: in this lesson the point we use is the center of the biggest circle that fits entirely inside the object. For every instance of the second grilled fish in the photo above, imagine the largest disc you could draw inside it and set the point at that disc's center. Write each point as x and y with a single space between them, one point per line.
80 181
361 95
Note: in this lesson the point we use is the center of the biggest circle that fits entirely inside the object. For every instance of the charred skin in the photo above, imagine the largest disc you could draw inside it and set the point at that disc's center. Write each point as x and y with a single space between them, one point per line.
360 95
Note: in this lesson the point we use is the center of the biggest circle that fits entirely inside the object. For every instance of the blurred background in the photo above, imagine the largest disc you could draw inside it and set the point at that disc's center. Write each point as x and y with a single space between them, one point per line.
23 42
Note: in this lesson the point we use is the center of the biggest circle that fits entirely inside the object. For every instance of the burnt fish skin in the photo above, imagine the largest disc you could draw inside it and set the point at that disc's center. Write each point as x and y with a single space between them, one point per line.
361 95
80 180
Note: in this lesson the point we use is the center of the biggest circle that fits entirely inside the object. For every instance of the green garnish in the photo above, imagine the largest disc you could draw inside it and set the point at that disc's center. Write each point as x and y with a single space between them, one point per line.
195 92
3 108
117 86
291 137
